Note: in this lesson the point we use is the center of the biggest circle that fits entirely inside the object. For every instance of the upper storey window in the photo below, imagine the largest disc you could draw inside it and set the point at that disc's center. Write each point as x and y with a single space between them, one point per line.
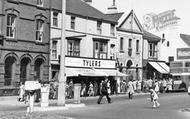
11 23
40 2
99 27
39 30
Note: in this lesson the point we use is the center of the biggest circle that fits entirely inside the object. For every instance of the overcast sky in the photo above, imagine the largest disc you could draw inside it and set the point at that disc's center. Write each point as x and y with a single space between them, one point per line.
143 7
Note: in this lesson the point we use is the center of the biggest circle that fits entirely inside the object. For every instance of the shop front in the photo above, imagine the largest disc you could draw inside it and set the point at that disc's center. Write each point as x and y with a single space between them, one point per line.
155 70
90 72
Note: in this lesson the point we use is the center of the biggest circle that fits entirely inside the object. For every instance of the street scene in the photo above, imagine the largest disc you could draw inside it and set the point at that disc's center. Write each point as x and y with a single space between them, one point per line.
93 59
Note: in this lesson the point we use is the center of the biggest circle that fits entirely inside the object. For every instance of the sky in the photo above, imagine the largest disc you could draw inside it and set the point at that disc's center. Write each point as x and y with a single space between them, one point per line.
143 7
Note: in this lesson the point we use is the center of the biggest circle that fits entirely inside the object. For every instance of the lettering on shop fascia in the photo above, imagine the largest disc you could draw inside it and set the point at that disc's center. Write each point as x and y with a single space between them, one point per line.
91 63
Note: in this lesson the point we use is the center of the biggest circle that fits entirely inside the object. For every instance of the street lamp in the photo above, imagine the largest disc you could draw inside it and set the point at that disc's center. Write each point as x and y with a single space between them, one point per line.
62 77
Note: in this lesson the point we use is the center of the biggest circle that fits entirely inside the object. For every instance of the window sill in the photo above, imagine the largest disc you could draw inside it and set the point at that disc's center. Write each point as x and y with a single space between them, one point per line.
11 39
121 51
137 53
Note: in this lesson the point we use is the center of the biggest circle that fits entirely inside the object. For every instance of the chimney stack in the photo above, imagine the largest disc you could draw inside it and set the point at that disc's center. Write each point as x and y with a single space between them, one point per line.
112 9
88 2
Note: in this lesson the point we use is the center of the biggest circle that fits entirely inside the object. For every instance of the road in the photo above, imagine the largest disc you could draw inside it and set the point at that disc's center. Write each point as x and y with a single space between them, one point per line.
138 108
121 108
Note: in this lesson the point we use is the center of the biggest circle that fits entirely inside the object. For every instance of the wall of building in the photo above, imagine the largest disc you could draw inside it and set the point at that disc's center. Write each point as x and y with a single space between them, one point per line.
24 44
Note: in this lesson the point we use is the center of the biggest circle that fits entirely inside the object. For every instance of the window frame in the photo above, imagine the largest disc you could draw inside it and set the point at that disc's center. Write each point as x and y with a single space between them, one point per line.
100 49
74 50
112 29
39 30
55 19
99 27
11 25
152 53
73 22
54 49
121 43
137 46
40 3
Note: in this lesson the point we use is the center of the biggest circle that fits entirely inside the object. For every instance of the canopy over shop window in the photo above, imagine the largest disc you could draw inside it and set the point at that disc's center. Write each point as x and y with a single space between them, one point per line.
158 67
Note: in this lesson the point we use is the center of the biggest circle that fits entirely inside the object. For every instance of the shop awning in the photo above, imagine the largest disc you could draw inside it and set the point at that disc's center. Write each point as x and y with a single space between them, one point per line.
164 66
112 72
158 67
83 72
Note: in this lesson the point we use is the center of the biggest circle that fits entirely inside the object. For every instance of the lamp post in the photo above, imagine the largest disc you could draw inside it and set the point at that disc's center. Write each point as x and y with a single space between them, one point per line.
62 77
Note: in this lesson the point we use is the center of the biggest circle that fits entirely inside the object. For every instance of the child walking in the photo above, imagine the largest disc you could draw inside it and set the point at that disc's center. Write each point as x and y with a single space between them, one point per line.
154 98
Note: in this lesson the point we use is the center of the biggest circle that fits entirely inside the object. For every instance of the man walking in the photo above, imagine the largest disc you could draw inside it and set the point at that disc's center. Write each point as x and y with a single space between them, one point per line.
104 92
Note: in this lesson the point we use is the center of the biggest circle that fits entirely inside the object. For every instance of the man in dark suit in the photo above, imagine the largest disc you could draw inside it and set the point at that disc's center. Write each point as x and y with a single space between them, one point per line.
104 92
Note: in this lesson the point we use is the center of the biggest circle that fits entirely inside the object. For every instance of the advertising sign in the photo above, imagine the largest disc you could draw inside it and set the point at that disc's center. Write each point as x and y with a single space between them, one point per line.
183 53
161 20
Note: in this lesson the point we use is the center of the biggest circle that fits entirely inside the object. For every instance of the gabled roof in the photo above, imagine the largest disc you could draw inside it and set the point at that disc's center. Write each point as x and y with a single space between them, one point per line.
151 37
185 38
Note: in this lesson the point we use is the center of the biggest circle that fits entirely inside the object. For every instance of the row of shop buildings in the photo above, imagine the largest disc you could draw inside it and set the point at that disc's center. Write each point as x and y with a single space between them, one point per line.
97 44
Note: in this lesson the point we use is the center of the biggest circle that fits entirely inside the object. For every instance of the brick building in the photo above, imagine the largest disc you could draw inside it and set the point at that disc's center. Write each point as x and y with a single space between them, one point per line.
24 42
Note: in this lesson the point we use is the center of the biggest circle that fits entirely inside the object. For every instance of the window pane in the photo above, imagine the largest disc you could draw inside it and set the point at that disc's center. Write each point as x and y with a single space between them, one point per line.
121 43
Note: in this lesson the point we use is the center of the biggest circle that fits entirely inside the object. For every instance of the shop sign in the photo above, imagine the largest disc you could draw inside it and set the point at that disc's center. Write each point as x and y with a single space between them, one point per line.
89 63
183 53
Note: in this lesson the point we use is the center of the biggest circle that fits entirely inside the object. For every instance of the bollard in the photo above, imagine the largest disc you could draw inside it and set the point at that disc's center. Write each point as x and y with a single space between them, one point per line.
77 88
31 103
45 96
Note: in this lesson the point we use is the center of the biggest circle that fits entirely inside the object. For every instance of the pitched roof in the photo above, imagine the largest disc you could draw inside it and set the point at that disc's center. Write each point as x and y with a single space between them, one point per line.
79 7
185 38
115 16
151 37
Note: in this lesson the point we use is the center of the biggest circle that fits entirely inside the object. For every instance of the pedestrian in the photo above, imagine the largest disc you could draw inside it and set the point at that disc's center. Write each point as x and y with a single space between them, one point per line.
156 86
109 88
91 90
21 92
189 89
154 98
104 92
130 89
